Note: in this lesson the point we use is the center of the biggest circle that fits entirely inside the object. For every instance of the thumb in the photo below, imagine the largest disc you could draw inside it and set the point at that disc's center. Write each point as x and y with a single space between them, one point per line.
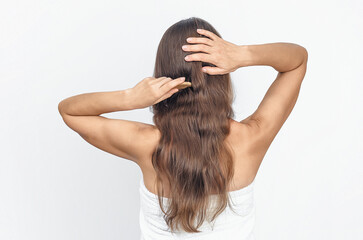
213 70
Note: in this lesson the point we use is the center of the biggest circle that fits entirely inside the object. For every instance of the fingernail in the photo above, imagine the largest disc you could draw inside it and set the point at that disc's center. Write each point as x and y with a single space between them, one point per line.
186 58
204 70
199 30
182 78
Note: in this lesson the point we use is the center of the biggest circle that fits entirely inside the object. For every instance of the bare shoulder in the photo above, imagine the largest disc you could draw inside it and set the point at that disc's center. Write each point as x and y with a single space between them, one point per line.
244 136
151 137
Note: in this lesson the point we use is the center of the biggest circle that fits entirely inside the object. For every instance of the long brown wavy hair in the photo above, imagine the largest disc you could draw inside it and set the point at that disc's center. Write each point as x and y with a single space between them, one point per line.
194 123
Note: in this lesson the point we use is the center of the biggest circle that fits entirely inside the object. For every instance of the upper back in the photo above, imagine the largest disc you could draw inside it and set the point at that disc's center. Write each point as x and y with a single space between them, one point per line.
242 139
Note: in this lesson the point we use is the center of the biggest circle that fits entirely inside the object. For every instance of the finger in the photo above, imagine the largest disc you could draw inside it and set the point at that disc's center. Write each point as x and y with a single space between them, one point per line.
172 84
168 94
164 80
156 80
200 57
203 40
196 48
208 34
213 70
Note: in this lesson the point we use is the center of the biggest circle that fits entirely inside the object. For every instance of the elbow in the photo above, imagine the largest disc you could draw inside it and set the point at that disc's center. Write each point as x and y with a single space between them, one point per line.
305 54
60 108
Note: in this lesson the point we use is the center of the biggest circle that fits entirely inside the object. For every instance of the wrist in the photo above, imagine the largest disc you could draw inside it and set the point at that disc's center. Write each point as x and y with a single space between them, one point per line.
244 56
129 103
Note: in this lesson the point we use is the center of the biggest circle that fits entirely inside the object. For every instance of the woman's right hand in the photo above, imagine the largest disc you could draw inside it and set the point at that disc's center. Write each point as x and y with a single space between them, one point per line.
224 55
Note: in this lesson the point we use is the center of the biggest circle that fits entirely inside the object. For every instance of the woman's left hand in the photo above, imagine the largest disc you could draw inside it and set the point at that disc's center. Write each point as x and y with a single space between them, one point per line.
153 90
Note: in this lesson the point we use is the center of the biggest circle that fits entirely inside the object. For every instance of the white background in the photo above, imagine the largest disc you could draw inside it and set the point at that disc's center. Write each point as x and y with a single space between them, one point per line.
54 185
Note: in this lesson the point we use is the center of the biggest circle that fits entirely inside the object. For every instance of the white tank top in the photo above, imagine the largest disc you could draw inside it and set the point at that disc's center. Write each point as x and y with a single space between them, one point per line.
228 225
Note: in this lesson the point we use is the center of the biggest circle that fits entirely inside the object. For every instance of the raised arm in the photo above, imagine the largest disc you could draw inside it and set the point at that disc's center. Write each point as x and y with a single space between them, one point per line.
290 60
